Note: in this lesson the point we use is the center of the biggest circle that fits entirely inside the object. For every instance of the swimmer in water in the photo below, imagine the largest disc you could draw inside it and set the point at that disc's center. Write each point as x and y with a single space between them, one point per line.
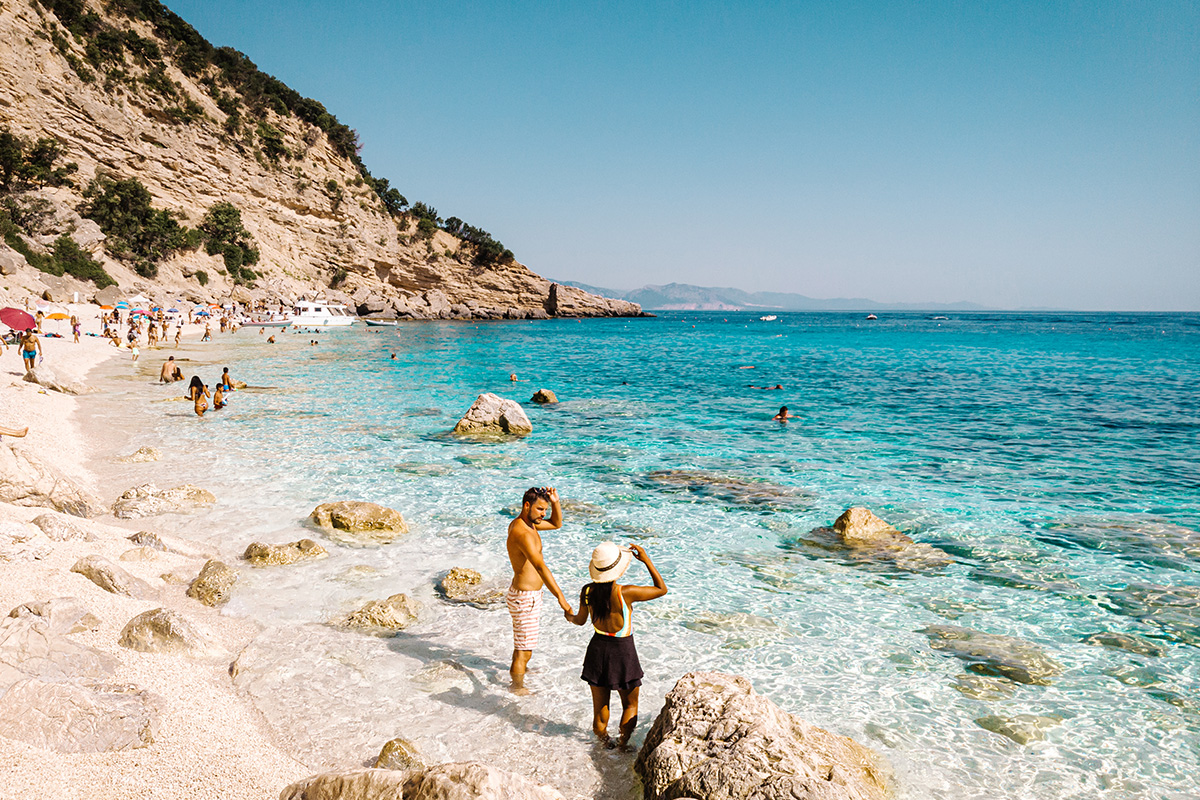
783 415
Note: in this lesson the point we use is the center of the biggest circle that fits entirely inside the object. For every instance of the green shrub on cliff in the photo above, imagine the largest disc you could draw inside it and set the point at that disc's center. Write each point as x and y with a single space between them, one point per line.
137 231
75 261
224 234
25 165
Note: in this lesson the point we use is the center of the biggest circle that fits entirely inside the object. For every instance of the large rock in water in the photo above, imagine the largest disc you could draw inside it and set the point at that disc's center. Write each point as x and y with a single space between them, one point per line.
270 555
214 584
399 754
26 481
359 522
867 539
544 397
452 781
715 739
993 654
111 578
491 413
163 631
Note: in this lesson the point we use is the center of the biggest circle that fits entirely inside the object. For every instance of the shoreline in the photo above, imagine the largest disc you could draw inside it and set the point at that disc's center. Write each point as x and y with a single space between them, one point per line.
210 739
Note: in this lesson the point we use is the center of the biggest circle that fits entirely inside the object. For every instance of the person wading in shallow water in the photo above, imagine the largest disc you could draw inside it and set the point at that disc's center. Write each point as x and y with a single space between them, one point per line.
612 661
530 573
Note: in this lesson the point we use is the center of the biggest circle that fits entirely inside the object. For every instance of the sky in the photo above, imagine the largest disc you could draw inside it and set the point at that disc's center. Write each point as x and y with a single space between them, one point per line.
1012 154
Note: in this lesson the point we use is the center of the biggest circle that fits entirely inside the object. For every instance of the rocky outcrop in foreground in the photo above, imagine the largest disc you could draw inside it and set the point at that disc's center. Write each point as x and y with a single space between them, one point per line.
454 781
54 692
715 739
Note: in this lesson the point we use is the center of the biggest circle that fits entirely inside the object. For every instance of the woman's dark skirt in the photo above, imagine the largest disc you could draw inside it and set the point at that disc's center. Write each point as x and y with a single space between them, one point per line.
612 663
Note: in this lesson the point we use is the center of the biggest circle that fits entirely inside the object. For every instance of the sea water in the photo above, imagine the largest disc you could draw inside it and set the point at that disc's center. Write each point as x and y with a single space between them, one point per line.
1054 457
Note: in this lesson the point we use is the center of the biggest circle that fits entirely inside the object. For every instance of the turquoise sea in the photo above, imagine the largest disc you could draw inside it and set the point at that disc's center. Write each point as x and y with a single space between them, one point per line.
1054 457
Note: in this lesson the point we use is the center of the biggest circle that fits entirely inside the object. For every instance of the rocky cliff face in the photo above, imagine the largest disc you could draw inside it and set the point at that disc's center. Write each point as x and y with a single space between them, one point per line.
312 217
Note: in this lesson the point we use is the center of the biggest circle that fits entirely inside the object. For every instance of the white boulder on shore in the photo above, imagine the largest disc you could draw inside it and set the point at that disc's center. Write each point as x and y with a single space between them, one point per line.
493 414
715 739
25 480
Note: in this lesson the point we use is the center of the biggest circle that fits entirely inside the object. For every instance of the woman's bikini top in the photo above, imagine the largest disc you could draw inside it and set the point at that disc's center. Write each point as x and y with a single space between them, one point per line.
626 626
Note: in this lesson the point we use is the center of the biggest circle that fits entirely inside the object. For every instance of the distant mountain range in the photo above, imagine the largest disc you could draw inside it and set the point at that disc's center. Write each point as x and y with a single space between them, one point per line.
685 297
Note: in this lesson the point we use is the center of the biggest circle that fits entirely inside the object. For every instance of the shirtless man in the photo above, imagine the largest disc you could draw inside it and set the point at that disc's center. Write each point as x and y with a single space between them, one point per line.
170 371
530 573
31 347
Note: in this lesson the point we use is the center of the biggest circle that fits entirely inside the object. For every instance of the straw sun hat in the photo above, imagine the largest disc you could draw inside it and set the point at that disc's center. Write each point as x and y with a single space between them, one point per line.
609 562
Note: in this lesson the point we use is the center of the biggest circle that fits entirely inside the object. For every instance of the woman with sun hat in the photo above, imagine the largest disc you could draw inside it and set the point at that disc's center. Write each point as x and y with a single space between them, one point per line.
612 661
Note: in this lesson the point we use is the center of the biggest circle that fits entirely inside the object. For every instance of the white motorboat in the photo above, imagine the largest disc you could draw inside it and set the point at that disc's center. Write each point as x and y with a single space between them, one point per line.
769 318
319 314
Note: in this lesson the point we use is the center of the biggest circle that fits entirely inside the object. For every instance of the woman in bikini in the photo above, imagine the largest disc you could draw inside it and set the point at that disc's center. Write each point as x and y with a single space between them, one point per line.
612 661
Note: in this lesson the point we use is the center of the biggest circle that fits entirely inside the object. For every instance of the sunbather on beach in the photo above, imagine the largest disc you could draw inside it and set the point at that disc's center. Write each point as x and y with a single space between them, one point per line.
612 661
530 573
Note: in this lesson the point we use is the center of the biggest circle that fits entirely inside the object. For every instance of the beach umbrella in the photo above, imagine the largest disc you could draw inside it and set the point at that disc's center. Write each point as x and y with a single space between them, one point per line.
17 319
203 314
172 310
106 308
122 305
58 315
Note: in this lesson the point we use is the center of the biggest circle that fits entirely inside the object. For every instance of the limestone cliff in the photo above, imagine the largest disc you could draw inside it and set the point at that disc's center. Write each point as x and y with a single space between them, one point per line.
314 220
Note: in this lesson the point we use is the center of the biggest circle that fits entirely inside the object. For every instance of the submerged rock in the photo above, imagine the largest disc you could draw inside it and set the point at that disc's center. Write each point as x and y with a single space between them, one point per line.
453 781
1125 641
716 739
1154 542
141 455
463 585
399 754
26 481
147 500
111 578
1022 728
383 617
214 585
750 494
493 414
359 522
544 397
995 655
161 630
983 687
72 718
150 540
59 528
265 555
1173 609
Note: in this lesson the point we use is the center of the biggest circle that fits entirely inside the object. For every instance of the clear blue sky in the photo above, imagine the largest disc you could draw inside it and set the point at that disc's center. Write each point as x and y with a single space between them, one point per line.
1008 153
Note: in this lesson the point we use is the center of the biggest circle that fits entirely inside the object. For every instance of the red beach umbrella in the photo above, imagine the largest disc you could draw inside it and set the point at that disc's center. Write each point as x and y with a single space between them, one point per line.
17 319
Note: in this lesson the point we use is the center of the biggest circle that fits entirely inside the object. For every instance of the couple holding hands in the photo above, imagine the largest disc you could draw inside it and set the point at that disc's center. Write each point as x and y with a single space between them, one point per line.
611 661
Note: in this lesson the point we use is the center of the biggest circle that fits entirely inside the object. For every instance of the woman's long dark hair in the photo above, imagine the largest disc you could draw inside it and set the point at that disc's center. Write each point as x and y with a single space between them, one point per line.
599 597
